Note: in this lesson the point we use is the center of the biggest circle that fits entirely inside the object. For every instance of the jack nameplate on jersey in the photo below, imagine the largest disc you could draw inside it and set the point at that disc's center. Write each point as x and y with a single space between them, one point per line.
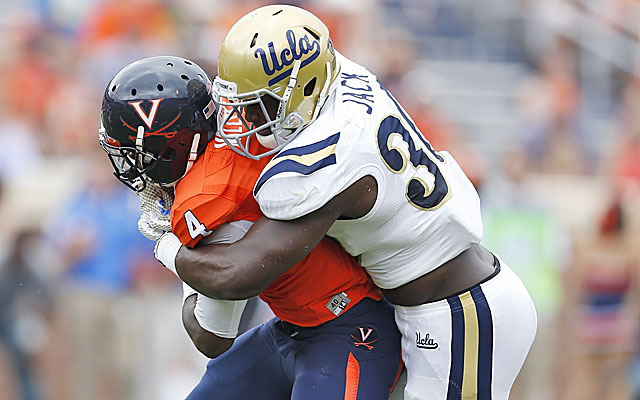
338 303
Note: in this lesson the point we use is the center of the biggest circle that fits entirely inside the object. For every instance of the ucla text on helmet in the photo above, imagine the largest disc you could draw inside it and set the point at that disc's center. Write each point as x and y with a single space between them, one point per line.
296 50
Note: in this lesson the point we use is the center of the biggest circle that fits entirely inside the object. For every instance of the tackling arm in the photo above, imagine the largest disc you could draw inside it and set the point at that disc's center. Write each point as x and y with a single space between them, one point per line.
245 268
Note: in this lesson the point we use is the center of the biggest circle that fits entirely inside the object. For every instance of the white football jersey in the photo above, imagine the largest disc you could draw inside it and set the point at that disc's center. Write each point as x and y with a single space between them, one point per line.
427 211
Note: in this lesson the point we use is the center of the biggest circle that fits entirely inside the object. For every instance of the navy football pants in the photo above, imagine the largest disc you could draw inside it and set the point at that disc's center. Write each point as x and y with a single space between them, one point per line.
355 356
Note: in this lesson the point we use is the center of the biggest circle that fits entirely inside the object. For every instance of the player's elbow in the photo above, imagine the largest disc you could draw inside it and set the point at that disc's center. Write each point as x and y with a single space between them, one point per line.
209 344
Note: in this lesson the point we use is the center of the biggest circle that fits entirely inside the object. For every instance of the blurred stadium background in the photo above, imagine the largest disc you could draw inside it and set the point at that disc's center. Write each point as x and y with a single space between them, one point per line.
539 100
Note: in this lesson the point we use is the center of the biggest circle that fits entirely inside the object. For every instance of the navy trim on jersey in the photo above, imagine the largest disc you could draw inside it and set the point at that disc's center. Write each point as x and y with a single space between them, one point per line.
282 163
309 148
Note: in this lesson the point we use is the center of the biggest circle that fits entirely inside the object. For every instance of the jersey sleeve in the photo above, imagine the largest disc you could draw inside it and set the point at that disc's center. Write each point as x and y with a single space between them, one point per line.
199 216
302 179
299 179
215 191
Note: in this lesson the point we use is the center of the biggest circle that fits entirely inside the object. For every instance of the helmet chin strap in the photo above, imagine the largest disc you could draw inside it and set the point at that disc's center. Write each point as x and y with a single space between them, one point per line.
139 146
193 154
323 93
140 137
270 141
138 183
293 81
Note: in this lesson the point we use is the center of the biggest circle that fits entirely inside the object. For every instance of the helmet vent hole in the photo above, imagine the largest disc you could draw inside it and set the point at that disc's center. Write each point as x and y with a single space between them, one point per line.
169 64
200 76
308 88
187 62
183 76
315 35
134 91
253 41
277 12
113 88
160 87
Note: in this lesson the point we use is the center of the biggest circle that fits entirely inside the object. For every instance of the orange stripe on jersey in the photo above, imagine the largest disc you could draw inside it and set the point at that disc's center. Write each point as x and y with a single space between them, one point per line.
395 381
353 378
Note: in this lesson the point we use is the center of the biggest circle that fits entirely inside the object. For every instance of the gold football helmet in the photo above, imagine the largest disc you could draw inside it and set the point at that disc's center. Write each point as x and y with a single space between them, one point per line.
277 61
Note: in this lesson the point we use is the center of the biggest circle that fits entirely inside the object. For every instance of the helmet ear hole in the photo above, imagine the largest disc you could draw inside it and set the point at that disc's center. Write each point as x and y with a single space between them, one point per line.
308 88
169 154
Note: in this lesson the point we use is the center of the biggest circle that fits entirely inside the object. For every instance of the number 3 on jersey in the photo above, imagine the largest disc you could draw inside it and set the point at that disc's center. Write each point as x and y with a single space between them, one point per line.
195 227
427 188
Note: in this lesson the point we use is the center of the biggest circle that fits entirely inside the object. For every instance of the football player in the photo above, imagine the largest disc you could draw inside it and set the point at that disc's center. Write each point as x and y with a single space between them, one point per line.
334 335
350 163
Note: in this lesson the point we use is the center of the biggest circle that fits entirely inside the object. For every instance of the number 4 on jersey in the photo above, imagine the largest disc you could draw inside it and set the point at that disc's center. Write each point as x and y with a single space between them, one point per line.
195 227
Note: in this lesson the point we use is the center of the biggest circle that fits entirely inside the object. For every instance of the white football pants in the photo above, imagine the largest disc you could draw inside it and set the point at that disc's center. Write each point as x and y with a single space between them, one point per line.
469 346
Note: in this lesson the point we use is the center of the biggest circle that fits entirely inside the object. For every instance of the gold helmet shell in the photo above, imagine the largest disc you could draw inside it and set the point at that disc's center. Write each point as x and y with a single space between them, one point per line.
281 51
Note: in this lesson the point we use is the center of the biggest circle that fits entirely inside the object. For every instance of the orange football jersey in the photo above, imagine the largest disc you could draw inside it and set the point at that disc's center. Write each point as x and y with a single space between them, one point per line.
218 189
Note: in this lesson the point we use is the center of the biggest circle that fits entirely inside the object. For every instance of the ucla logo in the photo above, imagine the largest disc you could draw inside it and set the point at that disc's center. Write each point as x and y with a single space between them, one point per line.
296 50
425 342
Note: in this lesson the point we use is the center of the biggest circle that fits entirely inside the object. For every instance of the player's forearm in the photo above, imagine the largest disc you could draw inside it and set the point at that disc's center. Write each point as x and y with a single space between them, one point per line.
211 271
246 268
206 342
222 272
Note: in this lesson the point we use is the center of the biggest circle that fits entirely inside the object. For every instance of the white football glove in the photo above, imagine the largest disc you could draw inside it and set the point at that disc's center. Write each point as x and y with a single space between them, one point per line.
155 204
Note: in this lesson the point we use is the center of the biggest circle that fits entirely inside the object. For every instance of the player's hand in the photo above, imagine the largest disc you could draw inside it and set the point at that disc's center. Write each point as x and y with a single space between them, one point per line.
155 204
167 249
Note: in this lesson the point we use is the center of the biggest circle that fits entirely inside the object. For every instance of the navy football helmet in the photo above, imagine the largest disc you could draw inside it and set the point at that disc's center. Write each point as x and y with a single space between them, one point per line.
157 118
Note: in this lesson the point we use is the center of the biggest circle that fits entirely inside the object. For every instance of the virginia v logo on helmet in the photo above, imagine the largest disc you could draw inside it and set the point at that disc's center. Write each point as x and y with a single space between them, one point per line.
275 68
157 117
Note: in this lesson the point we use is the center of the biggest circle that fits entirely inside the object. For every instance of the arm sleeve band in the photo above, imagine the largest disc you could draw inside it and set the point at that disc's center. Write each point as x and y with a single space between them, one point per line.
187 291
220 317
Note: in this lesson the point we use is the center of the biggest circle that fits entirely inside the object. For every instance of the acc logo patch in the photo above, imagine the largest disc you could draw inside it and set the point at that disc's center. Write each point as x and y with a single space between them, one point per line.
364 337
